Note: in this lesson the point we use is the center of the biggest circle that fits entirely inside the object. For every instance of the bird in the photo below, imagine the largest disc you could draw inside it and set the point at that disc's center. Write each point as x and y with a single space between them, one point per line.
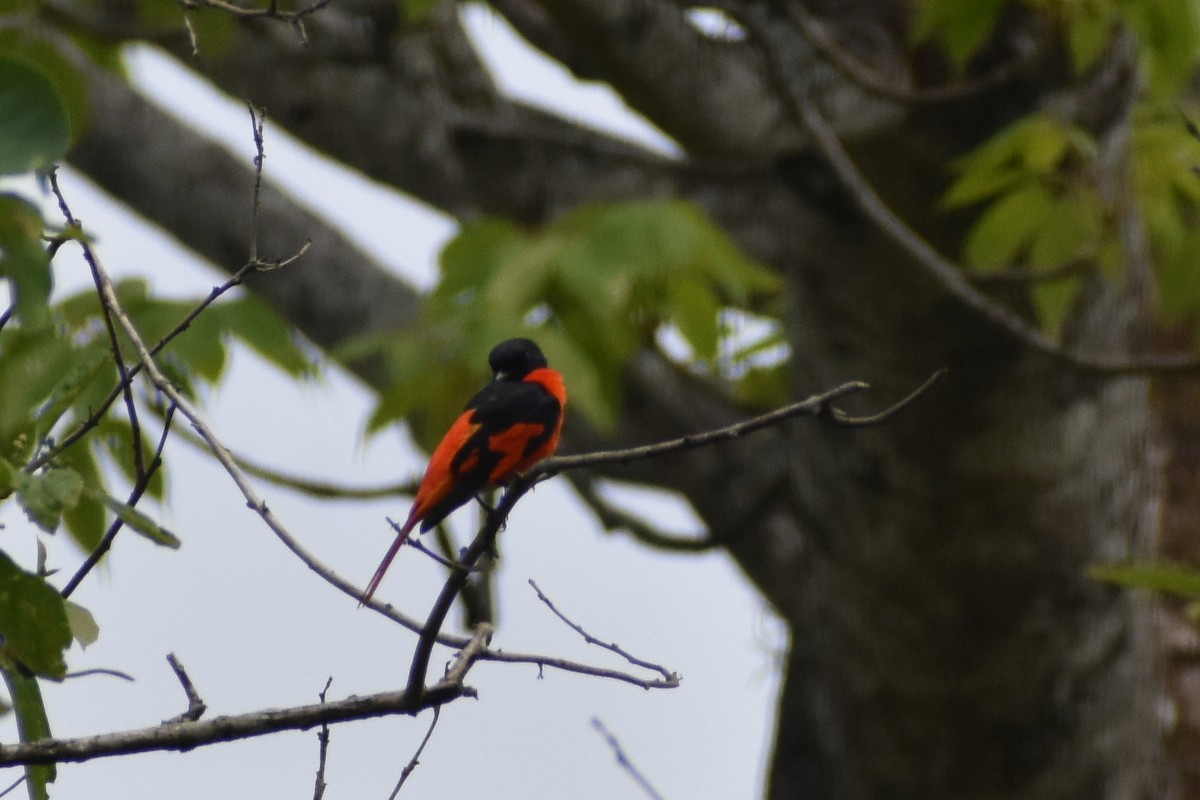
508 426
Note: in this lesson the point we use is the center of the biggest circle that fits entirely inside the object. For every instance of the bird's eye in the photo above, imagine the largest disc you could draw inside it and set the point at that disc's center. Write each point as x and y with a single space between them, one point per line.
501 376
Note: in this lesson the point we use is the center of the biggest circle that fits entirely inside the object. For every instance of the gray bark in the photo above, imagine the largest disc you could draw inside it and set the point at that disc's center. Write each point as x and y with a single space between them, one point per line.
946 641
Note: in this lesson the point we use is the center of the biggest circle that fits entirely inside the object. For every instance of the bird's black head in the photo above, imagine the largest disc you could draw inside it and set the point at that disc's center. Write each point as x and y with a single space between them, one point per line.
513 359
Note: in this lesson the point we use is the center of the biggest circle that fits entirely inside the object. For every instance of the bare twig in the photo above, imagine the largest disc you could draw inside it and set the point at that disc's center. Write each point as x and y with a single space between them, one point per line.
624 762
817 405
844 420
323 746
111 673
187 734
272 10
296 19
563 665
416 544
668 676
13 785
480 640
257 121
135 495
135 428
196 705
416 759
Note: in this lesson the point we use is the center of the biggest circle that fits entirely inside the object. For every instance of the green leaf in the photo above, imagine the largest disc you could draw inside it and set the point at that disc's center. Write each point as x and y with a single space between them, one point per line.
135 519
83 625
1054 301
588 391
1005 229
34 128
764 387
695 311
260 326
86 521
200 348
418 10
1167 32
116 435
23 256
32 724
1088 31
46 495
90 364
1161 577
961 27
1071 229
33 362
33 621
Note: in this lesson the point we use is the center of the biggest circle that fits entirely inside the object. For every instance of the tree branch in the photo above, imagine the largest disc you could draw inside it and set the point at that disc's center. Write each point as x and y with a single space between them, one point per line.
668 676
817 405
185 735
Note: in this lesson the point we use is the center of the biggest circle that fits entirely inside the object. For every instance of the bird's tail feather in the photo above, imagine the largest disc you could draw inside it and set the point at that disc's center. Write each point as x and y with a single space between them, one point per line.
401 538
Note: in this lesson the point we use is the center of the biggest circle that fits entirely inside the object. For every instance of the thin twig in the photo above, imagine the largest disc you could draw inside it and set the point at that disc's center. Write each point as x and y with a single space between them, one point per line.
816 405
844 420
257 121
187 734
323 747
609 646
143 483
416 544
111 673
412 763
563 665
270 12
196 705
624 762
12 786
135 428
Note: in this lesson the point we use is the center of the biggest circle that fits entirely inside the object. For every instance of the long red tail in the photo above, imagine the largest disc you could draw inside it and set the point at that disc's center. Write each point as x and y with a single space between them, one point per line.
401 538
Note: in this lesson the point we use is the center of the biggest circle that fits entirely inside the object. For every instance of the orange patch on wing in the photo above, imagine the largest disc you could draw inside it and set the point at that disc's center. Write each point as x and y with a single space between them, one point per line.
439 477
511 444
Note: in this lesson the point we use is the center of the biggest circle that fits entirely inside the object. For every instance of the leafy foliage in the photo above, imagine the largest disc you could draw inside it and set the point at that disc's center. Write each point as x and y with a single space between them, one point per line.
595 284
1168 31
34 128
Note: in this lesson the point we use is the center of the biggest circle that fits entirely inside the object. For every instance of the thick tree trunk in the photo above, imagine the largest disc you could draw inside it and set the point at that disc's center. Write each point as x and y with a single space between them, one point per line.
952 644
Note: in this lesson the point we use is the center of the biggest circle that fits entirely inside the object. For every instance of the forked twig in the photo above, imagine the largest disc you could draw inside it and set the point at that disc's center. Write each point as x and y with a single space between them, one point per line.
669 677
